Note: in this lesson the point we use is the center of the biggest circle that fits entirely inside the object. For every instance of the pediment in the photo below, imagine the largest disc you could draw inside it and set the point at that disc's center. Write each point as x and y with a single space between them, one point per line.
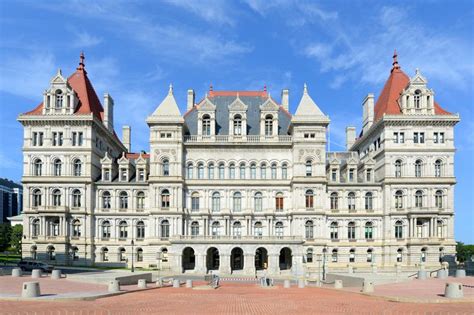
335 161
418 79
140 160
352 161
238 106
123 159
106 159
370 161
207 106
269 106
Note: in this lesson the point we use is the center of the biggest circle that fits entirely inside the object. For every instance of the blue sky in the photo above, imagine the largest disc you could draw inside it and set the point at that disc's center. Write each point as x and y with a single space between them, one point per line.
341 49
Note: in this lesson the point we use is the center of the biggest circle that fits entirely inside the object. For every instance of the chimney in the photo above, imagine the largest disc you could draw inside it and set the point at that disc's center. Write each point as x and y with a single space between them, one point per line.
108 112
285 99
191 97
126 131
368 105
350 137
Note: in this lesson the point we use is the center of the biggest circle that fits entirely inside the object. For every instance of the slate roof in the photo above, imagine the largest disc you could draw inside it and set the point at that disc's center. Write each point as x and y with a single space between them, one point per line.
222 100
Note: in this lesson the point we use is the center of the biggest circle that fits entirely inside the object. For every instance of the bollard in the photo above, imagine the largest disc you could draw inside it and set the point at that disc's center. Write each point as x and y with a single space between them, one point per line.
350 269
286 284
56 274
30 290
189 283
301 283
176 283
114 286
441 274
421 275
17 272
36 273
1 272
141 283
368 287
159 282
338 284
460 273
374 269
453 290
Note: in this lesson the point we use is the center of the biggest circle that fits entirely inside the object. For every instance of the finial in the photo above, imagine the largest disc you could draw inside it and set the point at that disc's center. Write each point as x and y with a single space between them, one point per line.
237 94
417 71
305 88
59 72
265 88
210 87
81 61
395 60
170 91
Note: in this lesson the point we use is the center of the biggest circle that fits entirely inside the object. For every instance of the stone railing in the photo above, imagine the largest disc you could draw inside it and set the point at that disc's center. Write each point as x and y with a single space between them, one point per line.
237 139
236 238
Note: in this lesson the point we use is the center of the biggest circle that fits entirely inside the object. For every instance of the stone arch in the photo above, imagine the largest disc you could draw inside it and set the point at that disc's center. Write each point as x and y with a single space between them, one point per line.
189 259
261 258
285 259
212 259
236 259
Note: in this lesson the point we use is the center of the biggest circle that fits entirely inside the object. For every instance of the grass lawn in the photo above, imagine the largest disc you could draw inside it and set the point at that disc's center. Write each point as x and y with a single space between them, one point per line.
9 259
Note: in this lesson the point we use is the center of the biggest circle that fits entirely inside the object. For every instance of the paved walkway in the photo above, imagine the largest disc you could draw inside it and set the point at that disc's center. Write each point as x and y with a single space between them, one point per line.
235 298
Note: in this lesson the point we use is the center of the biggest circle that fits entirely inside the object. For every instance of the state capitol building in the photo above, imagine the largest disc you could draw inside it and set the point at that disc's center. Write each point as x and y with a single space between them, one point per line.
238 184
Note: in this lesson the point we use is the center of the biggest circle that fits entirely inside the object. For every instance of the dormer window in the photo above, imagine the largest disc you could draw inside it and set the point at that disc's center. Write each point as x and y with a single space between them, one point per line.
268 125
206 125
141 175
106 175
123 175
237 125
417 99
59 99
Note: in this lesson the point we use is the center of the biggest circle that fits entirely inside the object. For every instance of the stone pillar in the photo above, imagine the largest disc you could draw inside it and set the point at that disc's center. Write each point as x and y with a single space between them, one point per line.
224 264
189 283
36 273
56 274
141 283
368 287
460 273
114 286
453 291
200 263
286 284
176 283
30 290
17 272
338 284
249 264
297 268
273 264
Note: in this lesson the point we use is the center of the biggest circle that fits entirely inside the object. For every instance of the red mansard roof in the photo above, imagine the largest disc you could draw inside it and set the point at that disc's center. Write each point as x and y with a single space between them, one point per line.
387 103
88 101
134 156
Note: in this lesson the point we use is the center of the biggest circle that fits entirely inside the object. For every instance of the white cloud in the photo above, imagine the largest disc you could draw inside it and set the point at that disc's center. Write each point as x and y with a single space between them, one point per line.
212 11
84 39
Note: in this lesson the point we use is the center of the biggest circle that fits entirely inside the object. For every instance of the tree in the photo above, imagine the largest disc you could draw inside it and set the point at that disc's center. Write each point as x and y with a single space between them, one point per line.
16 235
5 229
464 252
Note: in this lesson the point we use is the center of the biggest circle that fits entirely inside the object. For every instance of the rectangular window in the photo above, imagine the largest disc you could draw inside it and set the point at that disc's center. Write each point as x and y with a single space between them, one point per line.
107 175
57 138
141 175
369 175
438 137
123 175
37 139
351 175
419 137
194 203
77 138
399 137
334 174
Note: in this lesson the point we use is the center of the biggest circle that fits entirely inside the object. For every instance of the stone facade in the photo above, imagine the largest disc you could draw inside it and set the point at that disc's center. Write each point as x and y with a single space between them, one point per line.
238 184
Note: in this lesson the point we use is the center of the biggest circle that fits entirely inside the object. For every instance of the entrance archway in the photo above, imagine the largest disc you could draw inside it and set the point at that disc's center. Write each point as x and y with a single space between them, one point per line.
189 259
285 258
212 259
261 259
237 259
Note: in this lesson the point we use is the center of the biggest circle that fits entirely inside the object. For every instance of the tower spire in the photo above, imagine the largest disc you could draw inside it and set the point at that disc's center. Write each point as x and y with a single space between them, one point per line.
395 61
82 65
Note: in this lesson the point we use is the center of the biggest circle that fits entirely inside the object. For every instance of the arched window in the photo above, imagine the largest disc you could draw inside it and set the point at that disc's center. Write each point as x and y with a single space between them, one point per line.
334 201
263 171
369 231
309 168
237 202
418 165
351 231
232 171
105 230
105 254
398 229
439 228
166 167
284 171
216 202
140 200
334 256
139 254
56 198
351 201
189 171
419 199
352 255
195 202
77 168
334 230
370 255
76 228
400 255
437 168
417 99
37 198
242 171
194 229
59 98
38 167
123 200
76 198
53 227
253 171
258 202
398 168
57 167
140 230
309 196
165 199
106 200
309 230
279 202
423 254
279 229
221 171
123 230
35 228
269 125
206 125
50 252
34 252
237 229
274 171
258 229
215 228
237 125
122 255
368 201
165 229
398 199
309 255
439 199
210 171
200 171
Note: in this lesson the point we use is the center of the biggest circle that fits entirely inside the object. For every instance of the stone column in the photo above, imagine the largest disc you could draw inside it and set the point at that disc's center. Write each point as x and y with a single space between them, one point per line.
224 264
249 264
273 264
200 263
297 265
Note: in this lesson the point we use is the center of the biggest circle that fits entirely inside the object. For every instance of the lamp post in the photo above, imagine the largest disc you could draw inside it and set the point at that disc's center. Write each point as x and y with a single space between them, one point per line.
324 263
133 256
318 258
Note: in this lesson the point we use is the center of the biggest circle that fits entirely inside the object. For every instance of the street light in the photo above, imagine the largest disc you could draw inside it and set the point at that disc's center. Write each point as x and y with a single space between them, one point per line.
133 254
318 258
324 262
